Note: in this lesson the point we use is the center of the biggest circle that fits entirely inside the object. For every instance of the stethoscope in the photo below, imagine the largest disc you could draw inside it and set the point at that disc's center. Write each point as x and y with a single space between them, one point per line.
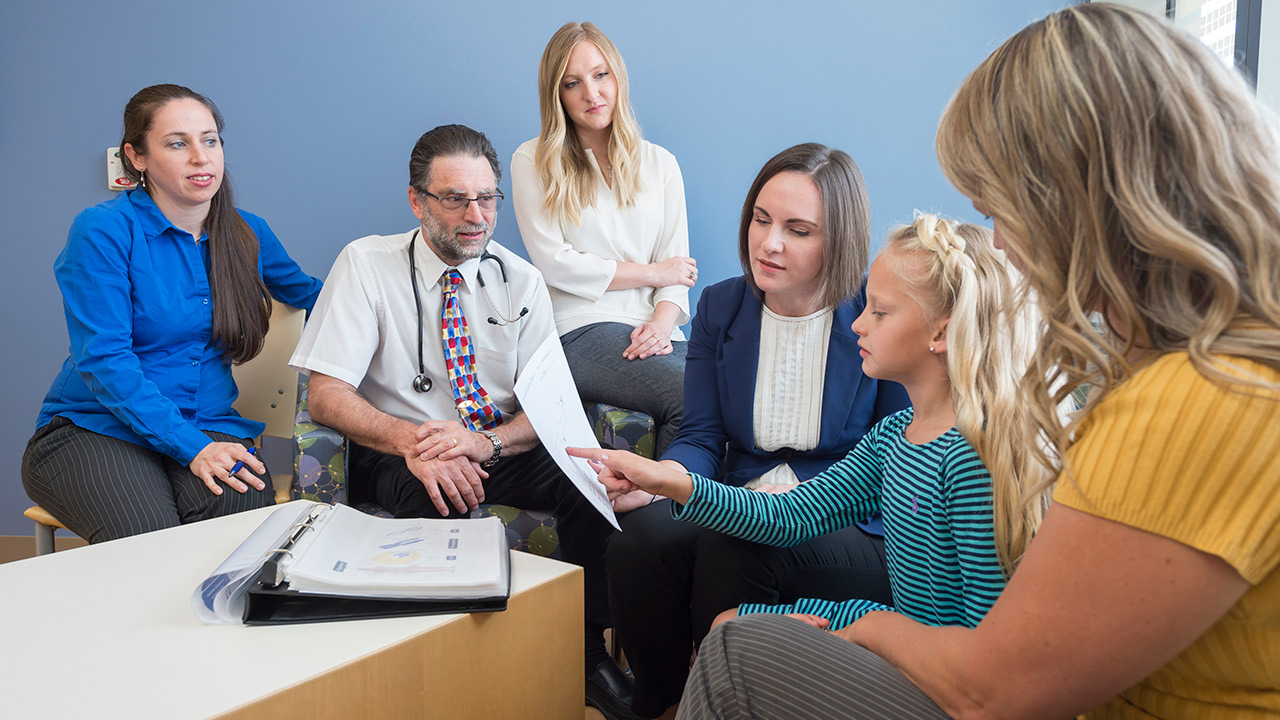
422 383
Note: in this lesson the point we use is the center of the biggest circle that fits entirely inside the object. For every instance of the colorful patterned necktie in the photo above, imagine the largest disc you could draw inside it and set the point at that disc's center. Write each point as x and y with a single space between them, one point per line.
474 406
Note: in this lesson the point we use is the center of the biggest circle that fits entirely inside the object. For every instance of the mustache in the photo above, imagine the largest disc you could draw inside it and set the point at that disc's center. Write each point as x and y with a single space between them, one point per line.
477 227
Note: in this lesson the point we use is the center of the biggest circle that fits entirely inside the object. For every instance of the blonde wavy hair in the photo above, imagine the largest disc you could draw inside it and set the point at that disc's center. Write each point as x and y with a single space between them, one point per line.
560 158
956 272
1134 175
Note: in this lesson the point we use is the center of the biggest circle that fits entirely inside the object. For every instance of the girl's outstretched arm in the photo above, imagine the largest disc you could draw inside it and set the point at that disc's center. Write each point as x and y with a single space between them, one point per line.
621 472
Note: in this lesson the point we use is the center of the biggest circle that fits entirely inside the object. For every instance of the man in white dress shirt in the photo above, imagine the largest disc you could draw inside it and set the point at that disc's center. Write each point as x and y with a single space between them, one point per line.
426 397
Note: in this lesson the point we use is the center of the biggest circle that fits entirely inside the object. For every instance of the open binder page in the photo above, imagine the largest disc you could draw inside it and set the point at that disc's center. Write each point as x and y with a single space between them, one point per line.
220 598
548 396
350 553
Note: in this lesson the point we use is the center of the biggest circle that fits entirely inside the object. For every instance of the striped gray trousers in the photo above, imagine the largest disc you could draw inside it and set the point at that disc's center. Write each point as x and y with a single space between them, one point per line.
771 666
103 488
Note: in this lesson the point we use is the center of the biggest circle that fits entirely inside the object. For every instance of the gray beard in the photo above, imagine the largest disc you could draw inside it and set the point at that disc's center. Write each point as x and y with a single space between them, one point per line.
446 243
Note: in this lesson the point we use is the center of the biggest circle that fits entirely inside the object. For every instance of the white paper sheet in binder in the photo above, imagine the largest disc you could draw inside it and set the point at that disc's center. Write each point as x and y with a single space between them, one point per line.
550 399
412 557
311 551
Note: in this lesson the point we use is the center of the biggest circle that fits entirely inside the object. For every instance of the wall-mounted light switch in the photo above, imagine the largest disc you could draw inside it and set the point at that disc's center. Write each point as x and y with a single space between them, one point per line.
116 179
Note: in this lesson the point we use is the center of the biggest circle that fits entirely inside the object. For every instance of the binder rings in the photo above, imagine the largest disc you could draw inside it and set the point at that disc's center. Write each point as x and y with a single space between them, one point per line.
313 563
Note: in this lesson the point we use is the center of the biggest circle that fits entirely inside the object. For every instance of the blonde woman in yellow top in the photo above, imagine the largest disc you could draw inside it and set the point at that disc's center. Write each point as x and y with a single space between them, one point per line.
1133 177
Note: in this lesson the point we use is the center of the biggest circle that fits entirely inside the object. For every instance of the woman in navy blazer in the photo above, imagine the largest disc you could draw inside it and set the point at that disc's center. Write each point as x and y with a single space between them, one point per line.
804 243
722 384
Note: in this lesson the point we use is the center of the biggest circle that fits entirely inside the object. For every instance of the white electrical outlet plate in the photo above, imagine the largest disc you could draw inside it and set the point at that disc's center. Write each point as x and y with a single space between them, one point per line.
116 179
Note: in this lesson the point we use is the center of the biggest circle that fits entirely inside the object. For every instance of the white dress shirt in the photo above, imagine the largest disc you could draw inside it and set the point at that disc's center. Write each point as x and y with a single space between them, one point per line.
363 329
579 261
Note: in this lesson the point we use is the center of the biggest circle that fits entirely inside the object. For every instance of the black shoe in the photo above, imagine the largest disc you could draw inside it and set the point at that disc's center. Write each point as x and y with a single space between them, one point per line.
609 691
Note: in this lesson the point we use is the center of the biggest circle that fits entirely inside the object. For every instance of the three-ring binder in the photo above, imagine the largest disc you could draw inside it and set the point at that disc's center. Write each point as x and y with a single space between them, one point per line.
274 566
277 593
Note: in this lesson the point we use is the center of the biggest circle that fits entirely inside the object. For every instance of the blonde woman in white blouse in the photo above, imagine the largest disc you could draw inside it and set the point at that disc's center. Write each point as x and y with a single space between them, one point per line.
602 214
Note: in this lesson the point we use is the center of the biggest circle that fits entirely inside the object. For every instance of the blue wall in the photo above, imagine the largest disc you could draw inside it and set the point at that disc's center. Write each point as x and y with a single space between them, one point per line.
323 105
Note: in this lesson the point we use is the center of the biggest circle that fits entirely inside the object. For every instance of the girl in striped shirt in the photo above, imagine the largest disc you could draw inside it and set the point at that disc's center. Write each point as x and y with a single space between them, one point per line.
945 473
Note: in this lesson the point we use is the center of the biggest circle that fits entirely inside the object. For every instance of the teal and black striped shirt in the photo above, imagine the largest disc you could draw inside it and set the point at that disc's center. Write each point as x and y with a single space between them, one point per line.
938 526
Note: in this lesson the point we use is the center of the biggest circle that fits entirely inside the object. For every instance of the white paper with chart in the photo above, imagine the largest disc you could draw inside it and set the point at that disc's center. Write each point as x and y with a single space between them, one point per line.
351 553
315 549
548 396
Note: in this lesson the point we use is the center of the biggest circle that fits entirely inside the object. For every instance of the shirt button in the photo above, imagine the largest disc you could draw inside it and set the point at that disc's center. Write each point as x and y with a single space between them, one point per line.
194 363
206 301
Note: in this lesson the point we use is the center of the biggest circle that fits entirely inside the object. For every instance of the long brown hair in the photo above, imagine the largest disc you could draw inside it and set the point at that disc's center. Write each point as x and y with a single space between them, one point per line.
1135 176
241 303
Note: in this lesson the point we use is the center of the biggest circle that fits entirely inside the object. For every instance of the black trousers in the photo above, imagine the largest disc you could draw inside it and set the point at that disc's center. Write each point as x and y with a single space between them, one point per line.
668 579
529 481
103 488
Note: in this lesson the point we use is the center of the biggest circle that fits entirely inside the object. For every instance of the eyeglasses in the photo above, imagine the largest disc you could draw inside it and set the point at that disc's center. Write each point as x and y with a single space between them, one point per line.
488 202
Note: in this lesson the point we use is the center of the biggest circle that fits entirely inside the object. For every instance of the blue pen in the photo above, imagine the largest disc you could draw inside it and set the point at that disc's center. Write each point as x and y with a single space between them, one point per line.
240 463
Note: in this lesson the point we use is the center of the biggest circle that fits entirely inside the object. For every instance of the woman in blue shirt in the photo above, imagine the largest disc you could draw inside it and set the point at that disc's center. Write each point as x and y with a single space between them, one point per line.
164 287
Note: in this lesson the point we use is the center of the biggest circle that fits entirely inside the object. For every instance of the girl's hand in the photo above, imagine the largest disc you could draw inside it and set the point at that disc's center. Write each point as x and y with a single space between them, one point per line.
213 465
621 472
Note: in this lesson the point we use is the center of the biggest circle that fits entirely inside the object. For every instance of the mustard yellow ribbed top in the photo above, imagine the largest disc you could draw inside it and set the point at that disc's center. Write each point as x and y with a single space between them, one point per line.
1174 454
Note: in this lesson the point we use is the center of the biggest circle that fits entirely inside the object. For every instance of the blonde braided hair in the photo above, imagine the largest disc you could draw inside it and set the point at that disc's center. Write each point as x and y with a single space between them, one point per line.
957 273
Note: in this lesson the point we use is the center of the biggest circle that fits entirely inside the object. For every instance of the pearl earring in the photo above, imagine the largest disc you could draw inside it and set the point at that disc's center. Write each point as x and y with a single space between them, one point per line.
932 350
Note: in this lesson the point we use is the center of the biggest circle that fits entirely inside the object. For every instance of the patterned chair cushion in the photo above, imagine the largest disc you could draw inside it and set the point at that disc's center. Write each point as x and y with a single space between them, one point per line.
528 530
622 429
320 470
319 457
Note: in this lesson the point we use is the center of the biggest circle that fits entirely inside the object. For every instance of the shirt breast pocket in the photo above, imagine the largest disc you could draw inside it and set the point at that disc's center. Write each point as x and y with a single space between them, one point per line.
496 358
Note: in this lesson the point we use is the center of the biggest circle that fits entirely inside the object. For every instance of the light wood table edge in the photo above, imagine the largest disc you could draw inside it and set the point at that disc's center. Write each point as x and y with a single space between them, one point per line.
464 668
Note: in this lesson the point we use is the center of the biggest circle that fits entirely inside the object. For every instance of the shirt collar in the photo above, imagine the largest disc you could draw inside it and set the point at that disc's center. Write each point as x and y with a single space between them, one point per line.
432 267
154 223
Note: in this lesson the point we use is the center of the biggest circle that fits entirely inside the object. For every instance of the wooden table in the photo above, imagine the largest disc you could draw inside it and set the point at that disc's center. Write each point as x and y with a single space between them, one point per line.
107 631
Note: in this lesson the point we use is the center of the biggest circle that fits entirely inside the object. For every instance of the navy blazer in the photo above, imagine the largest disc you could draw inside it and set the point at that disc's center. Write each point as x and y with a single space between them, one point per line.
716 438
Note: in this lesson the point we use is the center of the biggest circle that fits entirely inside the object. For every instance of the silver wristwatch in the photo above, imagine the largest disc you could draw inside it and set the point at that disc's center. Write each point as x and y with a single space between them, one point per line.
497 448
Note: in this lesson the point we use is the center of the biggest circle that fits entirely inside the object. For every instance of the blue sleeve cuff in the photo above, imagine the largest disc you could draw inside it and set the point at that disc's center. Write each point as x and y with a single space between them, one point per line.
184 443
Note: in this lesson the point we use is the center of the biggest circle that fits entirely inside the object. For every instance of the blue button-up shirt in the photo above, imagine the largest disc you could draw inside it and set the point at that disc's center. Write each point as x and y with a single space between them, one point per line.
139 313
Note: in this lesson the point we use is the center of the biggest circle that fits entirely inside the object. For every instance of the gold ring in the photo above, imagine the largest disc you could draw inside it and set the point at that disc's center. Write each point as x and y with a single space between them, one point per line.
455 441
